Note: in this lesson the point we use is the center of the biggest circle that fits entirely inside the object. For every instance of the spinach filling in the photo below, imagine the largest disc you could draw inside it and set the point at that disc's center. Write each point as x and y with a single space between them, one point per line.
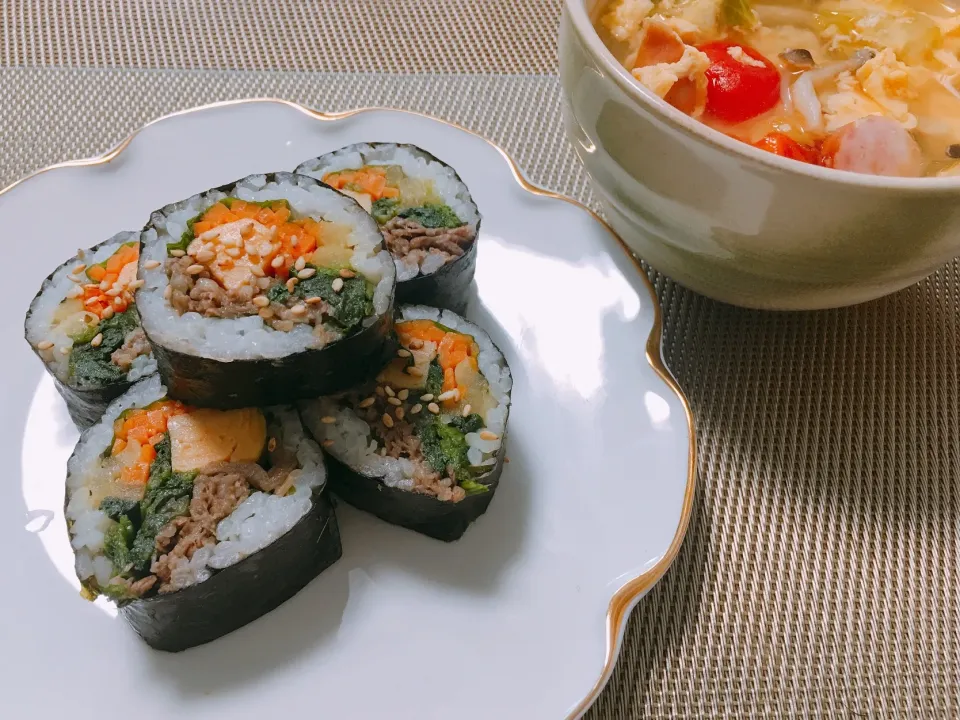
444 447
130 543
91 367
348 306
432 216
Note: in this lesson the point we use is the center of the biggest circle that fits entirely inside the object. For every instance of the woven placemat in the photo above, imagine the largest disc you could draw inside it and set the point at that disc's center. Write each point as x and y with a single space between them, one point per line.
819 577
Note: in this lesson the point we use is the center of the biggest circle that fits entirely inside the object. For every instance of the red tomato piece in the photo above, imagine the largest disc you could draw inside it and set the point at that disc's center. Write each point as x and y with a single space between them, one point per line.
785 146
738 91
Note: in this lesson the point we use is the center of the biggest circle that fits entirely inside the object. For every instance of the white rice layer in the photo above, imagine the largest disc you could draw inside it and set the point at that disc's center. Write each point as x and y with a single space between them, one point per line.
415 163
249 338
256 523
39 322
350 437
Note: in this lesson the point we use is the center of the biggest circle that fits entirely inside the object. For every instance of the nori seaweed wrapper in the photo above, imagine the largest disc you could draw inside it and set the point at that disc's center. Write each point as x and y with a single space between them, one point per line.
84 403
447 287
235 383
425 514
243 592
205 382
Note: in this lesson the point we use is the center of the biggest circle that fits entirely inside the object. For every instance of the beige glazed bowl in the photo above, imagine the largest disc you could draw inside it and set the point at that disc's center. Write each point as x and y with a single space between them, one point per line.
733 222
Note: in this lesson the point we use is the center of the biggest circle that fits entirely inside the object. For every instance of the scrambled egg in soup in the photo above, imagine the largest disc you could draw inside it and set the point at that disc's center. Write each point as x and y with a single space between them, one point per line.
870 86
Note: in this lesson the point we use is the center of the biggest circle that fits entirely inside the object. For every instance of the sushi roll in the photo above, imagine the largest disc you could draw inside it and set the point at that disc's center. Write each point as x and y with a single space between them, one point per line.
264 291
196 521
429 221
84 326
423 445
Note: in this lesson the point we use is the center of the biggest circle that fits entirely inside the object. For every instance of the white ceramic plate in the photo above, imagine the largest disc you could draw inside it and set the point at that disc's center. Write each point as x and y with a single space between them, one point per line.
522 618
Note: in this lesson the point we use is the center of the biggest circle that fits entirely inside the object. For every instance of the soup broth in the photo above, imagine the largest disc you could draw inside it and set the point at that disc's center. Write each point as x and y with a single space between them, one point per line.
871 86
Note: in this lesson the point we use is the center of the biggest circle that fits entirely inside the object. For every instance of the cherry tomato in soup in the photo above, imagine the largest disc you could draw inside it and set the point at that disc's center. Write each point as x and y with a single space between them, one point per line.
785 146
741 83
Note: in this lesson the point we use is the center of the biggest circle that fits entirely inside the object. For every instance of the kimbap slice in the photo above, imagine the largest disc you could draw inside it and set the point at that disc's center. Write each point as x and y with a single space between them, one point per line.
84 326
423 445
196 521
428 219
264 291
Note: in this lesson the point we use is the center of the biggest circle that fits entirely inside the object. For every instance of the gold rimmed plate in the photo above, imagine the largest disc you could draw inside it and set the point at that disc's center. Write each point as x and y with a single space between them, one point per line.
523 617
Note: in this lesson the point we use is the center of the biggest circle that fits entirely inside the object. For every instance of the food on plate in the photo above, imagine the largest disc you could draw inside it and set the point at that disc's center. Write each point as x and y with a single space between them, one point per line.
266 290
423 445
83 324
428 219
196 521
869 86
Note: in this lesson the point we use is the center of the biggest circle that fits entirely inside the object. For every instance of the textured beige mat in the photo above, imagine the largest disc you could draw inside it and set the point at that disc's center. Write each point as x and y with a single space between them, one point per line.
820 574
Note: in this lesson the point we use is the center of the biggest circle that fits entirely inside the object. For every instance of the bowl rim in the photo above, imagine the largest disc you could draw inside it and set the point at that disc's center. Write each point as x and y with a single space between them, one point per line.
577 13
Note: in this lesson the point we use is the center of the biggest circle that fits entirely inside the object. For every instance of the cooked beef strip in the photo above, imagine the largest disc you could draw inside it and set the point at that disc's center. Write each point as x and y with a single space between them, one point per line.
134 345
403 236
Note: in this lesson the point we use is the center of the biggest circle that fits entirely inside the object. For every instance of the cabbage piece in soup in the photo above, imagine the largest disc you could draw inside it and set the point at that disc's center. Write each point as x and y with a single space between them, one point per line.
870 86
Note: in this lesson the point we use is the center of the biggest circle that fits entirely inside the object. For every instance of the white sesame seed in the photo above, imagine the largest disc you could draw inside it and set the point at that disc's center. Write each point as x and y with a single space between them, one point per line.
299 309
64 349
427 398
466 410
294 240
177 253
277 261
399 413
434 408
91 301
263 283
308 273
193 249
194 269
395 401
416 408
97 339
79 269
205 256
104 285
76 279
403 352
314 300
257 270
367 402
416 344
416 371
261 301
136 284
300 264
379 390
403 394
291 284
167 292
265 249
75 292
337 284
387 420
118 301
487 435
389 390
266 313
107 313
44 345
235 252
81 253
345 273
151 264
448 395
328 420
